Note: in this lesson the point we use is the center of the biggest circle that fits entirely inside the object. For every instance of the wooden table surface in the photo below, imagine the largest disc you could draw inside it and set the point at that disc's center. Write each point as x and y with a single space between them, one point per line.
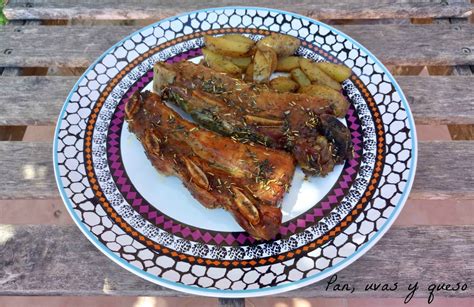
48 43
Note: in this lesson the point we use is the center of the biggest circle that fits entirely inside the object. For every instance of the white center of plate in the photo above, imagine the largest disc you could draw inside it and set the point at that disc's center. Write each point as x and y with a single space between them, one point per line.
168 194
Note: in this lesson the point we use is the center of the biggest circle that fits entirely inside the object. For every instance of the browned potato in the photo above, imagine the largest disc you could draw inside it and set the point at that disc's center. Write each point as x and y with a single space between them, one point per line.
335 71
228 47
299 76
241 62
162 77
238 38
283 45
249 73
315 74
283 84
326 92
220 63
264 64
287 64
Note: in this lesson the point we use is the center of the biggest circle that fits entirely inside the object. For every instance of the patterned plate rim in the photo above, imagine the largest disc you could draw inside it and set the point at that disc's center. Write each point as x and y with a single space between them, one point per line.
250 292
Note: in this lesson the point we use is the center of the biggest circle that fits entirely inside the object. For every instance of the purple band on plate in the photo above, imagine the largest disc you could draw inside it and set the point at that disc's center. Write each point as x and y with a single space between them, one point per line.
149 212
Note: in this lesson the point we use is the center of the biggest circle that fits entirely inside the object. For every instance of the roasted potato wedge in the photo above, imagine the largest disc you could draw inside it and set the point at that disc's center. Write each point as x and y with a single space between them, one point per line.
287 64
284 84
228 47
264 64
326 92
240 62
249 73
283 45
220 63
315 74
238 38
299 76
335 71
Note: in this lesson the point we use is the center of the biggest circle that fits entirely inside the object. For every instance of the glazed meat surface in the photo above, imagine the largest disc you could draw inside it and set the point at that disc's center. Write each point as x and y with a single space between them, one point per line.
303 125
248 181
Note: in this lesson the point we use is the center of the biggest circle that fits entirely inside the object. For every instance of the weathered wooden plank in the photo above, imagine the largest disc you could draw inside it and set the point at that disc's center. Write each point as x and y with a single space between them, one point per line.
443 171
412 45
149 9
11 133
429 97
33 100
460 70
75 267
38 100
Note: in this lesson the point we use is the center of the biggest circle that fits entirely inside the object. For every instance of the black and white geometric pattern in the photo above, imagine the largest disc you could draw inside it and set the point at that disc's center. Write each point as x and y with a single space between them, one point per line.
388 198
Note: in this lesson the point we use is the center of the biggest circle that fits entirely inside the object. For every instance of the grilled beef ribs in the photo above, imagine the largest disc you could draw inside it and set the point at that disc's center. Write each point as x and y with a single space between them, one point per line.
303 125
248 181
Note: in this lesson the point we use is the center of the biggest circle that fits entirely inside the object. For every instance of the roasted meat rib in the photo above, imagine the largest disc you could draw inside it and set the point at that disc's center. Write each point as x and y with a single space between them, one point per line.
248 181
301 124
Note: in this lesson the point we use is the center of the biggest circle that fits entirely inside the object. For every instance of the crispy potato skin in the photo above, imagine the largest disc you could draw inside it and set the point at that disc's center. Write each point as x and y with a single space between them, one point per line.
284 84
315 74
335 71
300 77
220 63
283 45
238 38
264 64
248 76
228 47
287 64
228 53
242 63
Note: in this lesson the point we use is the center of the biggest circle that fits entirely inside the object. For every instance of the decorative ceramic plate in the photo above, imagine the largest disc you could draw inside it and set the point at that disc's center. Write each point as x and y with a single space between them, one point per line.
151 225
